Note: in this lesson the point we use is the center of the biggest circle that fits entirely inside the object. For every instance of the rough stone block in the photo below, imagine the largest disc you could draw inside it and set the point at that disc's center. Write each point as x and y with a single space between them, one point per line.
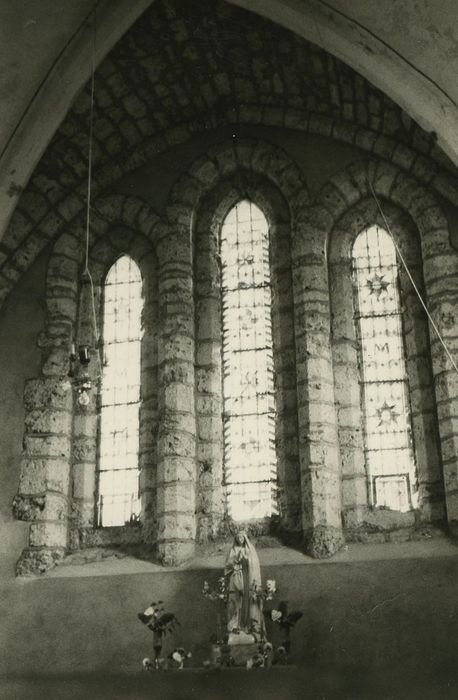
177 372
452 513
83 477
354 491
38 561
178 397
175 348
173 468
450 467
208 353
176 497
173 421
323 541
84 449
28 507
210 429
174 553
48 534
51 393
148 479
181 526
350 417
48 421
83 512
57 364
352 459
47 446
40 474
85 424
438 267
312 414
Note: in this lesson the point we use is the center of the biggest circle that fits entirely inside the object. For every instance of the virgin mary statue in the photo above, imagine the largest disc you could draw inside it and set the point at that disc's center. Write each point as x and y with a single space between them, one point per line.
243 577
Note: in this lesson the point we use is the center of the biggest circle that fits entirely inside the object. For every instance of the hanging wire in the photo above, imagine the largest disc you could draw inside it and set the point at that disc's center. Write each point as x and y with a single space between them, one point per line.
89 181
436 329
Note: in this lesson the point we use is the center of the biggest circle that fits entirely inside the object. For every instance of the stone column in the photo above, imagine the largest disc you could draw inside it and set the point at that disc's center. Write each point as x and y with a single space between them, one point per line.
44 484
176 443
425 426
318 440
85 424
209 456
440 270
42 498
149 406
284 355
347 391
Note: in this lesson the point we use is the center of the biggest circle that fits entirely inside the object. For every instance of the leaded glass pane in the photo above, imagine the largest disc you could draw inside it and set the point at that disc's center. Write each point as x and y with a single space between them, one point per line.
249 409
387 423
118 497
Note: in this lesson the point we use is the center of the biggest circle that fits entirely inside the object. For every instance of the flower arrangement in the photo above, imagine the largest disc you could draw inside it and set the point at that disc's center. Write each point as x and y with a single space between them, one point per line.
218 594
263 658
276 616
178 657
160 623
285 621
265 594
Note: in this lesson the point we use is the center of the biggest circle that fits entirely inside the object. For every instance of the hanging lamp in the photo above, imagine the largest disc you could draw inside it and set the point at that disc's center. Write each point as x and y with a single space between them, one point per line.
87 345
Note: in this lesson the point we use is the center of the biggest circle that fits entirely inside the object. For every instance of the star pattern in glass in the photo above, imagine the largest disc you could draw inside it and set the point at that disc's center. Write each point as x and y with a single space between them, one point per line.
387 424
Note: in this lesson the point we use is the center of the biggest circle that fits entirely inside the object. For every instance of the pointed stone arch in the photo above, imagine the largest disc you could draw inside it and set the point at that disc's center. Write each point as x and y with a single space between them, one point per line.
226 171
57 472
350 190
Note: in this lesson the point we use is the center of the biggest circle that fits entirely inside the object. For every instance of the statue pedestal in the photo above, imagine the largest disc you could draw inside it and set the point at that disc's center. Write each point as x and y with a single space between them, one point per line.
241 638
239 653
240 648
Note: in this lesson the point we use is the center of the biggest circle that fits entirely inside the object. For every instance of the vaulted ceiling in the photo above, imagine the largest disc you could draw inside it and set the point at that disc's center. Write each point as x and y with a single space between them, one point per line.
187 67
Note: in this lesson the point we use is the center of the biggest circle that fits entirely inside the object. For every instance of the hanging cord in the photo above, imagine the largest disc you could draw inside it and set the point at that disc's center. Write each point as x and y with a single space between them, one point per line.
89 182
87 281
436 329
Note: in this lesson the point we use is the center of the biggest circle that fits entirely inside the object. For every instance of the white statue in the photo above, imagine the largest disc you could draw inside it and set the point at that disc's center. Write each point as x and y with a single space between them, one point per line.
243 584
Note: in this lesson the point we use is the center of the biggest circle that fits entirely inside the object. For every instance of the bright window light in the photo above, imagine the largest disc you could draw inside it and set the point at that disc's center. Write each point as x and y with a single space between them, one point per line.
387 423
118 487
248 391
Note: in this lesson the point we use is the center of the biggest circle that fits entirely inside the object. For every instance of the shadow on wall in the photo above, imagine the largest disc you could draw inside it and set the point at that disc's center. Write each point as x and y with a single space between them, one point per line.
21 320
397 614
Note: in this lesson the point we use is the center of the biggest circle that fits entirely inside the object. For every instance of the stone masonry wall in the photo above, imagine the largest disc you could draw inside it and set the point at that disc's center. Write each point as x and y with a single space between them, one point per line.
321 469
117 241
57 483
211 214
316 466
435 268
360 520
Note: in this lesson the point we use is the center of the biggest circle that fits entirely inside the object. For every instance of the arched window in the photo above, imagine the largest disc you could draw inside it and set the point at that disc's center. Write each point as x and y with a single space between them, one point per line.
118 469
389 453
248 392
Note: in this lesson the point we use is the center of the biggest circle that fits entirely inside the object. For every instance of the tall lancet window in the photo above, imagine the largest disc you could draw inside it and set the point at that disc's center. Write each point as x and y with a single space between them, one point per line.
390 459
248 391
118 478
